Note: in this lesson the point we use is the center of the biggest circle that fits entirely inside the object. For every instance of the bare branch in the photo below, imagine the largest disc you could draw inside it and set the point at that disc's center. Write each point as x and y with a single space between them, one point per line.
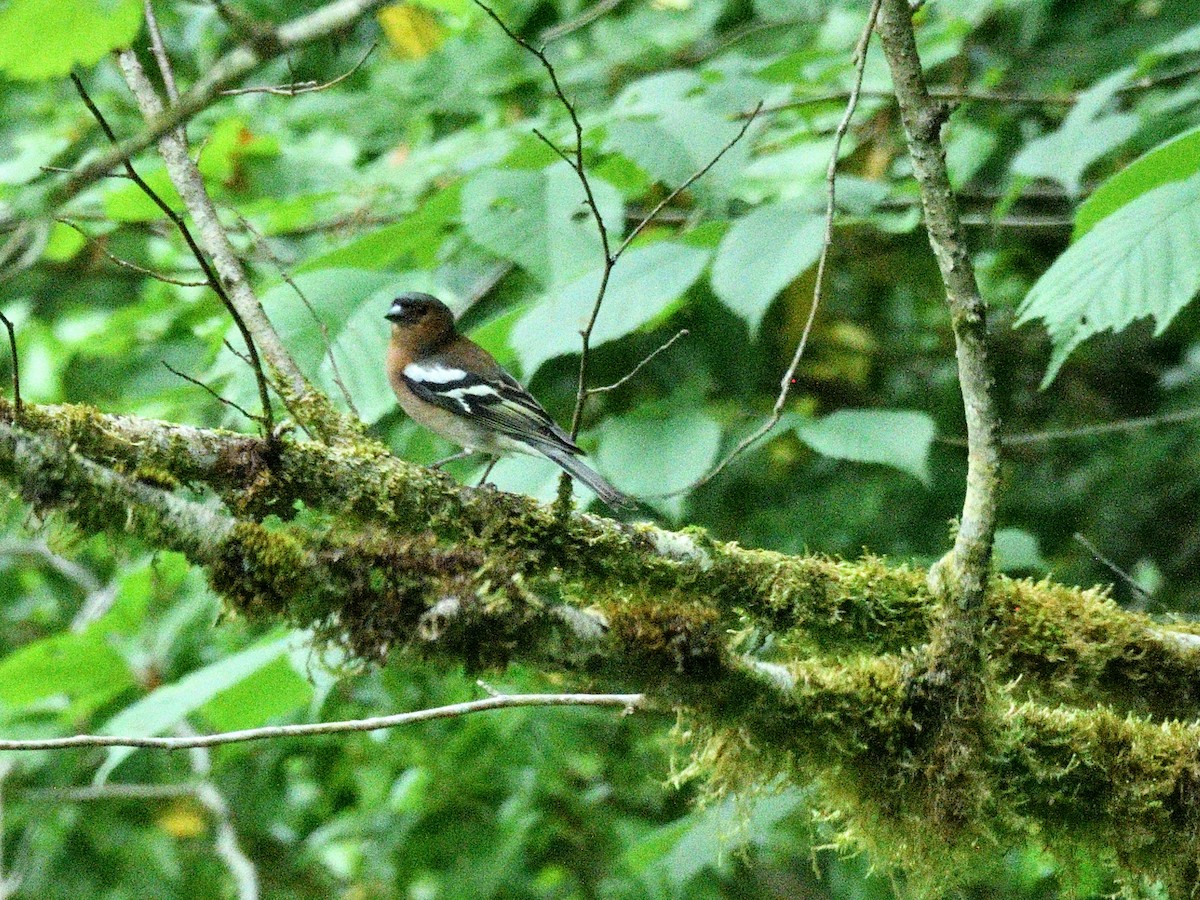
1066 434
584 19
683 332
969 95
859 58
302 87
375 723
213 281
160 56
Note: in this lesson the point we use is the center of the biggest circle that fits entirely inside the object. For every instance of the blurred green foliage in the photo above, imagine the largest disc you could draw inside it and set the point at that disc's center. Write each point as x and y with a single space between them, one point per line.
420 171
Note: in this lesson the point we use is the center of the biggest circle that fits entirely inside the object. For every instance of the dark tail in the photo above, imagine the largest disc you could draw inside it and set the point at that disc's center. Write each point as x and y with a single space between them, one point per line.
580 470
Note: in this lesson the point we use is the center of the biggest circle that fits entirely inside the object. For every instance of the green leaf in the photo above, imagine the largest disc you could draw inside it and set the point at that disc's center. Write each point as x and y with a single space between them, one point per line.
413 241
643 286
64 243
1172 160
47 38
538 219
275 689
85 668
671 127
170 704
1083 137
129 203
896 438
762 254
1142 260
648 453
1017 550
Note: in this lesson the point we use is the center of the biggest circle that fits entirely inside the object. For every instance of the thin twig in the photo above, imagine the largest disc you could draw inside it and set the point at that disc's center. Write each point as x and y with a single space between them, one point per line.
683 332
128 264
611 258
968 95
116 791
375 723
302 87
62 170
859 59
213 281
1113 567
16 364
196 381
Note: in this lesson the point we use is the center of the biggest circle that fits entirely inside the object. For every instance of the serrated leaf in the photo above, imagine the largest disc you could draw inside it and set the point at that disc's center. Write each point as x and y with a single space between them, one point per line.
897 438
1142 260
47 38
762 254
170 704
538 219
642 287
1172 160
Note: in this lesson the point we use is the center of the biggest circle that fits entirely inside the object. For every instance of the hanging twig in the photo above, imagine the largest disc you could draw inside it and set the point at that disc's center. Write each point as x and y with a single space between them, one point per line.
302 87
214 282
683 332
859 59
375 723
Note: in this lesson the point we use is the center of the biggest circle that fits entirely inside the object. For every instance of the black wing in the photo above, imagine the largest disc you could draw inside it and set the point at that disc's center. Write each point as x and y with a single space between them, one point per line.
500 403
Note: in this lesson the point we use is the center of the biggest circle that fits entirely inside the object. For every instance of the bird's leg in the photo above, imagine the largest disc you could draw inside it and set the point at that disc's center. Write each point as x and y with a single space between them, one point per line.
488 471
461 454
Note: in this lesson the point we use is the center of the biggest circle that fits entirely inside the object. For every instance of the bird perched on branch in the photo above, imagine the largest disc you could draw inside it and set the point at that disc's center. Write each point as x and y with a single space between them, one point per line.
452 386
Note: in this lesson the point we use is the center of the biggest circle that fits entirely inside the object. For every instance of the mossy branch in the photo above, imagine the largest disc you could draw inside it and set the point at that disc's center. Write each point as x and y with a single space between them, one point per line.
1063 643
652 610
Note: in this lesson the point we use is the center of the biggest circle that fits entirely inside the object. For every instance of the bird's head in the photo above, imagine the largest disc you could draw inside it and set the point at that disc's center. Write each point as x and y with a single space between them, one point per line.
414 307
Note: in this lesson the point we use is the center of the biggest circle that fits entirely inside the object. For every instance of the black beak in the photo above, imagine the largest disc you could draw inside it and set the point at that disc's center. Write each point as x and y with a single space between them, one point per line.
394 314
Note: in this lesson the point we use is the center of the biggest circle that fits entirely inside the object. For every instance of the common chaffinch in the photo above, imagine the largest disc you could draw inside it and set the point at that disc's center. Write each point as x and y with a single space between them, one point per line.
452 386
